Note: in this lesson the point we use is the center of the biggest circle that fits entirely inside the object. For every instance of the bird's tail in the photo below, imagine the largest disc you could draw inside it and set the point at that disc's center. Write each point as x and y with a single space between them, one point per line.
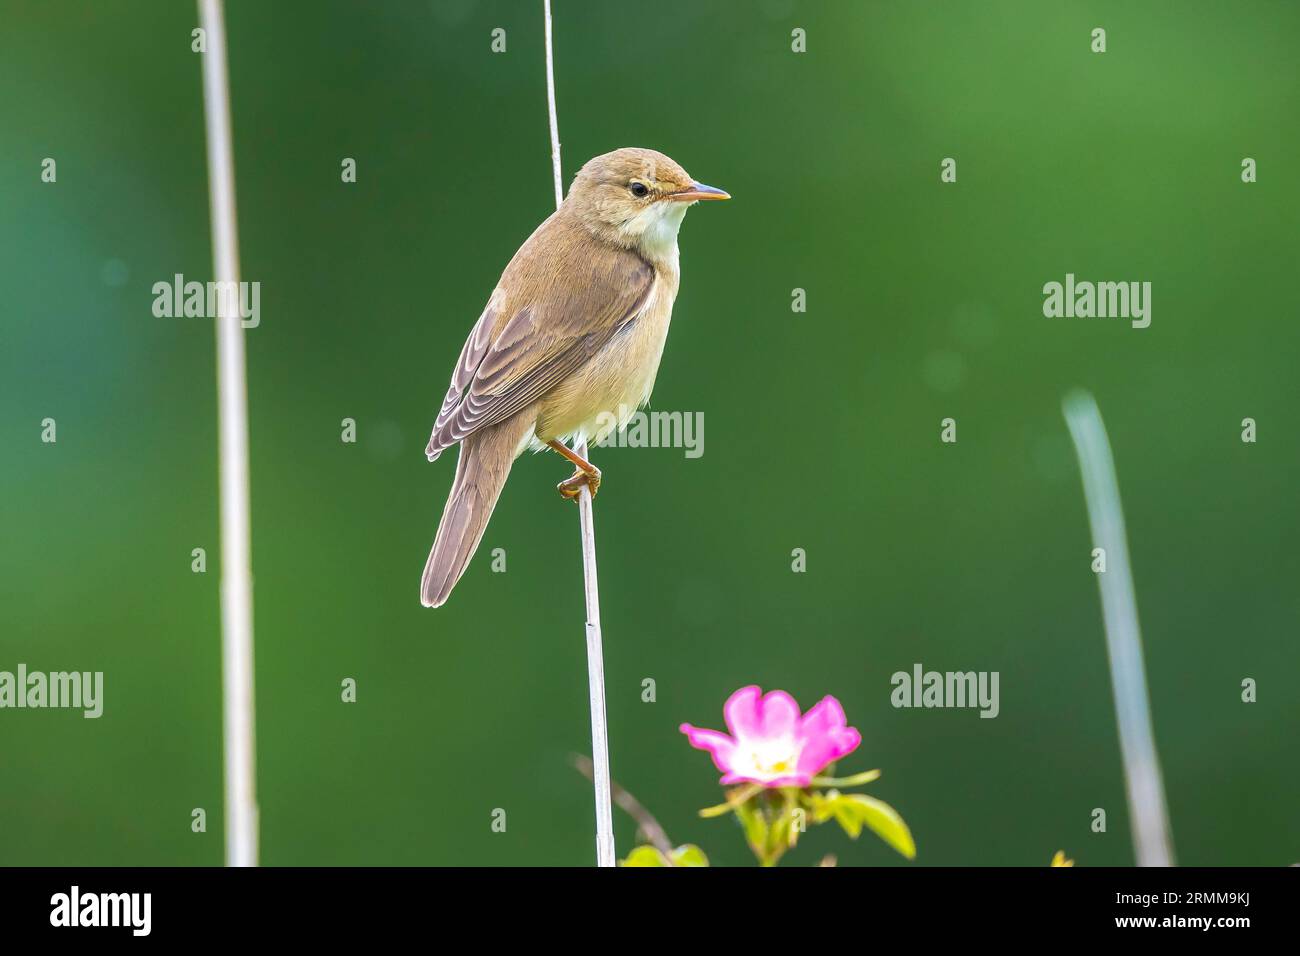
481 472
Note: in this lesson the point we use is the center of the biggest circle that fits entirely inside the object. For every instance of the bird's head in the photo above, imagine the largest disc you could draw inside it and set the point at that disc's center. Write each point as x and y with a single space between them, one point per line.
636 198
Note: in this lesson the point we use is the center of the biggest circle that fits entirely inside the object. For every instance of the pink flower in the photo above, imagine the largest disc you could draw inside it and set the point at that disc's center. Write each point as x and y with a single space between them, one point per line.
770 743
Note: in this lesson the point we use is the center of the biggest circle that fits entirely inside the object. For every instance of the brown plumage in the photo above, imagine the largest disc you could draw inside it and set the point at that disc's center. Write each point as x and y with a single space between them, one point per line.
569 342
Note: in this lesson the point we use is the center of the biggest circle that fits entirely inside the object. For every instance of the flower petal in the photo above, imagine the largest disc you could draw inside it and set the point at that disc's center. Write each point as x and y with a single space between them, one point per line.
719 745
824 717
826 748
778 714
742 713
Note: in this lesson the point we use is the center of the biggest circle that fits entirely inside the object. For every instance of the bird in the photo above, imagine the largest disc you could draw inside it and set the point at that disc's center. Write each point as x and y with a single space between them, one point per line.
568 345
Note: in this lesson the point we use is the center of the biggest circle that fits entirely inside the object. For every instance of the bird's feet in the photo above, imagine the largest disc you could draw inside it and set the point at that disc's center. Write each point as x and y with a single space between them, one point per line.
571 487
586 474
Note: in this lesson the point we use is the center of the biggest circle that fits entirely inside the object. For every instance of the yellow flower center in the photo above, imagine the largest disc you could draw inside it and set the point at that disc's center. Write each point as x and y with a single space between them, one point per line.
773 758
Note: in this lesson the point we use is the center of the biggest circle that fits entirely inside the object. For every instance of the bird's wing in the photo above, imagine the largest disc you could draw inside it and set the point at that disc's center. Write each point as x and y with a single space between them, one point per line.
559 301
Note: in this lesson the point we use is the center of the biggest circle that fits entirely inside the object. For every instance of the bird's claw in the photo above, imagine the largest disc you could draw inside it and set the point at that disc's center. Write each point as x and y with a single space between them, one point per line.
571 487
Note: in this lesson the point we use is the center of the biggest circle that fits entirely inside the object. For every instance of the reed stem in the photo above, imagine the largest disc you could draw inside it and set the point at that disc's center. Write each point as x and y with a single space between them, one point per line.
232 413
595 652
1148 815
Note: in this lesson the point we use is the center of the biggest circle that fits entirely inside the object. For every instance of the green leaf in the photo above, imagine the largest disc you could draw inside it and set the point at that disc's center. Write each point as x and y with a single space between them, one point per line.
686 855
645 856
755 828
779 838
690 855
822 805
883 820
847 816
854 781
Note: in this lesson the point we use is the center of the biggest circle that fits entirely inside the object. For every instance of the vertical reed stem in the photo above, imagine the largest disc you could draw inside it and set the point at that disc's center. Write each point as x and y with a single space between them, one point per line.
1146 795
232 403
595 654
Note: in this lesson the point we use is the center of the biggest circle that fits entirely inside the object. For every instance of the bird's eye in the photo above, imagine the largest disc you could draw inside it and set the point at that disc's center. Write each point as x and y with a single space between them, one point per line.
639 190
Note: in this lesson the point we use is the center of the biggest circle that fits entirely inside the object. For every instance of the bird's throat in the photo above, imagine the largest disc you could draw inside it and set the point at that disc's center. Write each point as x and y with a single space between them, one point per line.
658 241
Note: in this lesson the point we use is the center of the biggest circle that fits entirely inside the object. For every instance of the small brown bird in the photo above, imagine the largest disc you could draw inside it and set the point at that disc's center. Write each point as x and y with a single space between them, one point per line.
569 344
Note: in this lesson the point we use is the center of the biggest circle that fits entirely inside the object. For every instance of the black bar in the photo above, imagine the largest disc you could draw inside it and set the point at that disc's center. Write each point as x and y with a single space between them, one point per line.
1053 906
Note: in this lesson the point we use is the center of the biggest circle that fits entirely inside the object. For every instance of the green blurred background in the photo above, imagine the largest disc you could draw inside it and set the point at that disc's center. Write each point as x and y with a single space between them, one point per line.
822 429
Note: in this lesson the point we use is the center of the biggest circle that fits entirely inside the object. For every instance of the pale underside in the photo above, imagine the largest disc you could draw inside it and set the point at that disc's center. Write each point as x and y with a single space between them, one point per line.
601 396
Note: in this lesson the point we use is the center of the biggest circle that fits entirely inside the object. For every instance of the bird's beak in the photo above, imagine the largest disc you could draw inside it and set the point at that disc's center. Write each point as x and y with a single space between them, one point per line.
698 191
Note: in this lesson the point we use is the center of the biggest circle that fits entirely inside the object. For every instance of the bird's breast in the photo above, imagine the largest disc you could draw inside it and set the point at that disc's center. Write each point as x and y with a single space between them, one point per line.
618 379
